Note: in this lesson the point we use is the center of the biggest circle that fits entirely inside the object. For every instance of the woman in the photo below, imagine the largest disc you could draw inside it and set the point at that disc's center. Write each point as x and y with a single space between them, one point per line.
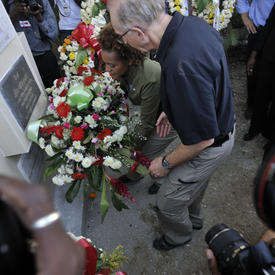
140 79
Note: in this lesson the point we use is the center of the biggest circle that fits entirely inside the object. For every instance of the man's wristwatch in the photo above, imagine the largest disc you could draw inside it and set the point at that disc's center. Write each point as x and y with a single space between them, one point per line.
165 163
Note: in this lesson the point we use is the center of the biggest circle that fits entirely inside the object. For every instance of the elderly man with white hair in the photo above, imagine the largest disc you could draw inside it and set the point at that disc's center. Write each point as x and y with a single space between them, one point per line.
197 102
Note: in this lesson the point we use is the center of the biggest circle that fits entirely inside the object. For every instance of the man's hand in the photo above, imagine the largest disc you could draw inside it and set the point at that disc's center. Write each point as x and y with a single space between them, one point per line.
38 13
19 9
251 62
212 263
156 169
248 23
163 125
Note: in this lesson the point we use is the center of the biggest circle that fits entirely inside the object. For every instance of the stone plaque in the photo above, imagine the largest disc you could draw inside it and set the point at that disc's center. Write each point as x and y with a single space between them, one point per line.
20 91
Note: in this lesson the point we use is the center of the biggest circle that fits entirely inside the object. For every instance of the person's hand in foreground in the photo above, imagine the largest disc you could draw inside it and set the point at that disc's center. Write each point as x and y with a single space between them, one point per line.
212 263
56 252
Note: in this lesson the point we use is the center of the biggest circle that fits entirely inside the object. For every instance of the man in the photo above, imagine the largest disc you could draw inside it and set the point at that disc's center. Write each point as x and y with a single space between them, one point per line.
69 15
254 16
37 20
197 100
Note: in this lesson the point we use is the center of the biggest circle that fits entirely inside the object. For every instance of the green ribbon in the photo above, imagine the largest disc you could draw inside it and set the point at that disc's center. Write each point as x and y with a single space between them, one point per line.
79 96
33 129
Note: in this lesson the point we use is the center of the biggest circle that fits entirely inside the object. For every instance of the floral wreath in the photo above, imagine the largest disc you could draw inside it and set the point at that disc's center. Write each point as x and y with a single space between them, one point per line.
216 13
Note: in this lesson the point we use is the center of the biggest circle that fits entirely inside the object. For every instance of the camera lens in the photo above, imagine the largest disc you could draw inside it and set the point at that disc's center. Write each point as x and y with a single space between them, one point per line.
229 248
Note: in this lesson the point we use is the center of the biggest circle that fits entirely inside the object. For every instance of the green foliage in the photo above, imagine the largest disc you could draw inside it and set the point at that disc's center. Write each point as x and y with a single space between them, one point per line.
114 261
117 202
81 56
201 5
95 175
52 168
73 191
104 205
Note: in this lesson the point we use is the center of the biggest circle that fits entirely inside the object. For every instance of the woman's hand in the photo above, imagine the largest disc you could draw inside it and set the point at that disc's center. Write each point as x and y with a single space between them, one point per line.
164 127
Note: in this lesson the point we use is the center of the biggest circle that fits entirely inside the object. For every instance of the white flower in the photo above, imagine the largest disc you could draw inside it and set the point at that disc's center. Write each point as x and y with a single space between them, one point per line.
41 142
63 56
78 119
58 180
78 157
67 179
77 145
116 165
92 123
112 162
87 162
69 170
69 154
54 140
57 100
49 150
99 104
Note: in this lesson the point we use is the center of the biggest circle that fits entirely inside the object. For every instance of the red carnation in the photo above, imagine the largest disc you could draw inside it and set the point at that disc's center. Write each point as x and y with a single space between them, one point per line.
64 92
59 131
88 80
104 133
99 161
78 176
81 69
63 109
77 133
95 71
58 82
47 129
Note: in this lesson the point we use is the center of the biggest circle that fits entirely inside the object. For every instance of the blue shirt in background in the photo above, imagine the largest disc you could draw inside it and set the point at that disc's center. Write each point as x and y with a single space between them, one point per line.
258 11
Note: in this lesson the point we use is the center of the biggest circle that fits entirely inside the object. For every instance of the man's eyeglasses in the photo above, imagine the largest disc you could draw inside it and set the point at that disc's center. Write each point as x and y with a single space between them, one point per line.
120 38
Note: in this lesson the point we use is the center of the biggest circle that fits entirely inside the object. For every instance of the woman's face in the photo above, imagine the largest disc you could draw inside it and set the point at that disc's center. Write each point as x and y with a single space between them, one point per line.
113 65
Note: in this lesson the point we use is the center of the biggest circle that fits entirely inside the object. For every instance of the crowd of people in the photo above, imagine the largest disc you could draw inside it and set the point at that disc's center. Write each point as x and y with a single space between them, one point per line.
186 94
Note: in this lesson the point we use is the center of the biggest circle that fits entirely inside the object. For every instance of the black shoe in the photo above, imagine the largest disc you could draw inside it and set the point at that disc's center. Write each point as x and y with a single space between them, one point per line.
248 136
197 227
124 179
162 244
154 188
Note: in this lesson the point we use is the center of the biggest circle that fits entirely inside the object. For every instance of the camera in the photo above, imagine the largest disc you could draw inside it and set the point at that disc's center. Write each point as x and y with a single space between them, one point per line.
233 254
33 4
15 252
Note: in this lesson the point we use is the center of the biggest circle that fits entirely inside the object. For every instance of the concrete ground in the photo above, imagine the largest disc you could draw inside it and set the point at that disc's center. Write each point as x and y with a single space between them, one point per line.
228 200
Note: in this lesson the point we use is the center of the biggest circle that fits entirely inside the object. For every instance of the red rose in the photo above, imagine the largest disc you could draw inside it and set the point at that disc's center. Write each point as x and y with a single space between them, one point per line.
59 131
64 92
63 109
77 133
104 133
88 80
58 82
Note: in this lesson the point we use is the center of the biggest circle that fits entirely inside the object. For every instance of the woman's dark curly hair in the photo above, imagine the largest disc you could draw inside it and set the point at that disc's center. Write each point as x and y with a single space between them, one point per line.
109 42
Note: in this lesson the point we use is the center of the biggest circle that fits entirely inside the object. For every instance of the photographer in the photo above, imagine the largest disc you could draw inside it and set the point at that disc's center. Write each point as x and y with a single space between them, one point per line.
36 19
228 251
268 236
56 253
